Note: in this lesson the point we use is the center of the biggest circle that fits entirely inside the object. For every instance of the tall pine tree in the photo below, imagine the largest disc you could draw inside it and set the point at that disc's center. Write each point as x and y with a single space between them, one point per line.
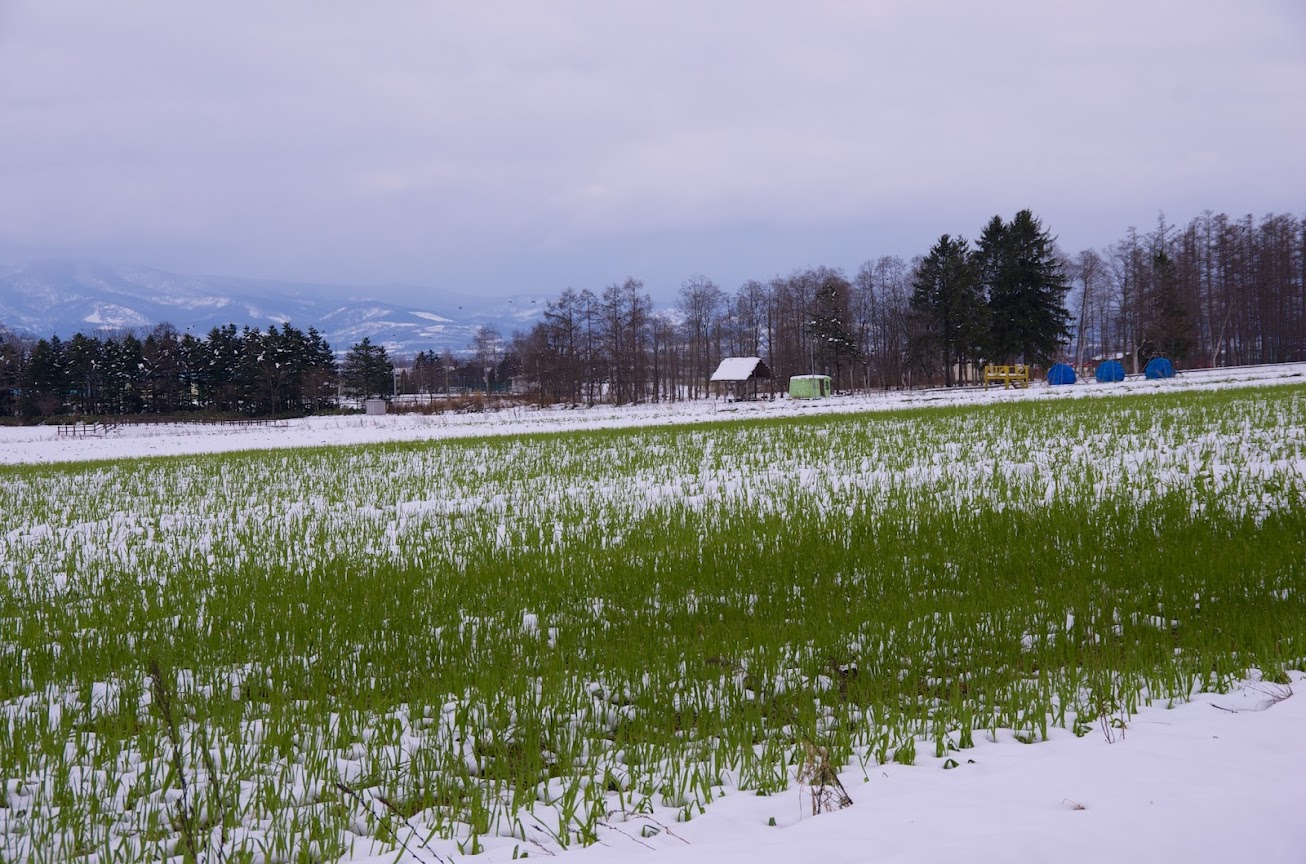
949 307
367 371
1026 289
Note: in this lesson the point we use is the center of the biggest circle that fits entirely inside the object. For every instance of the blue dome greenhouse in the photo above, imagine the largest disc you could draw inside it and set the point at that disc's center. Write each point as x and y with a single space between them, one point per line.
1061 373
1158 367
1110 371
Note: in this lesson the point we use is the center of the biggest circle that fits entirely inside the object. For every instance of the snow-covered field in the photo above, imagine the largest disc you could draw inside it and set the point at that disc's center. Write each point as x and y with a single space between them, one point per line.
1184 773
43 444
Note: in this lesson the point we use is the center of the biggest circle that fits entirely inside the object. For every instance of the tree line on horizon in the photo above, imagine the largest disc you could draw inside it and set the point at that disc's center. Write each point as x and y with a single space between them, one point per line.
230 371
1216 292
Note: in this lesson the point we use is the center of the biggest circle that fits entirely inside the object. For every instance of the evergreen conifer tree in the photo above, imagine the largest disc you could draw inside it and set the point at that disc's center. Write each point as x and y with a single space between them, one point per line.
368 371
1026 289
949 306
320 373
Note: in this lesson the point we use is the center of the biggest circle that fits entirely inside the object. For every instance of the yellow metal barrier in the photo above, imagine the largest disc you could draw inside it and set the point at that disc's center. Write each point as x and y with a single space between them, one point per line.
1011 376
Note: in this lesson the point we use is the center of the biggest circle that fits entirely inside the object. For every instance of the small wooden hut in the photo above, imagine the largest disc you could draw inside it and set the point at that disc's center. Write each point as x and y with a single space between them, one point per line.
736 373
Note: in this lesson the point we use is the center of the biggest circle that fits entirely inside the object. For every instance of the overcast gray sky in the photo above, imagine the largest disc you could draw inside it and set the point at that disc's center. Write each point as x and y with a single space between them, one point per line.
500 147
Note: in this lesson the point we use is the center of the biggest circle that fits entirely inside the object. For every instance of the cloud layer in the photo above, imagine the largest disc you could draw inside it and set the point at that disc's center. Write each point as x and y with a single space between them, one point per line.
531 146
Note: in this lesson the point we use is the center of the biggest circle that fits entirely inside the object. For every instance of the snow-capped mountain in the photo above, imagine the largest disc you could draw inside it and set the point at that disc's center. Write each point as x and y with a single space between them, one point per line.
65 297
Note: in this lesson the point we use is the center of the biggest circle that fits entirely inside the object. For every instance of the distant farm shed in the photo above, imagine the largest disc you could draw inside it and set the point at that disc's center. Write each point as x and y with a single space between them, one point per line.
738 371
741 369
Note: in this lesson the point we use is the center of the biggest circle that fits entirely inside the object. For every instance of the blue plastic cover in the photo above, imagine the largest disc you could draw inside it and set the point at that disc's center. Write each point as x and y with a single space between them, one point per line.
1110 371
1158 367
1060 373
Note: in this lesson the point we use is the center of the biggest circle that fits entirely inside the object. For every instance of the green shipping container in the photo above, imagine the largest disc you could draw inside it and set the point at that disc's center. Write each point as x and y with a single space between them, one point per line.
810 386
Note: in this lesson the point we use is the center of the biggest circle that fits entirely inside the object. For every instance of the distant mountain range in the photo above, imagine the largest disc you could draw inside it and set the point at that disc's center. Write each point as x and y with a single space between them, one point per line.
66 297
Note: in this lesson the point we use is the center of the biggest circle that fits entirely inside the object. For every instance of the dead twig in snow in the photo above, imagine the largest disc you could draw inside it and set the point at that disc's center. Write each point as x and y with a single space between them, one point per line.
1273 693
612 827
536 843
661 827
822 781
162 700
341 786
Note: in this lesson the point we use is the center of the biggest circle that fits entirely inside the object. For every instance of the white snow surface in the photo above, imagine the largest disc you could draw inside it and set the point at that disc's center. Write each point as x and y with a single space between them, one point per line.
34 444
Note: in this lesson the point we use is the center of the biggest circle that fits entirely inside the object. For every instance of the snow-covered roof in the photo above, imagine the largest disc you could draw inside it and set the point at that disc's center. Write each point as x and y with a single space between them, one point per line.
741 369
